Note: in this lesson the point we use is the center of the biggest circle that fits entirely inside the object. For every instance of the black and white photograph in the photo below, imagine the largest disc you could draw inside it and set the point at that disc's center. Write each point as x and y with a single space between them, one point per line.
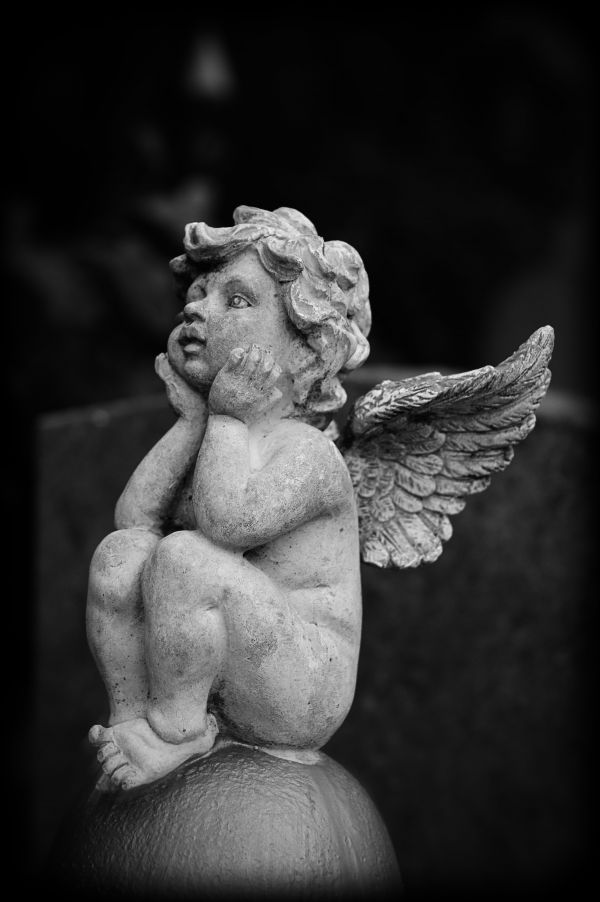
299 452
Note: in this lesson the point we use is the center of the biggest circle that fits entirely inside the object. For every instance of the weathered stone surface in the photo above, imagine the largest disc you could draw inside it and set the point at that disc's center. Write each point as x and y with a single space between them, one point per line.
238 823
227 600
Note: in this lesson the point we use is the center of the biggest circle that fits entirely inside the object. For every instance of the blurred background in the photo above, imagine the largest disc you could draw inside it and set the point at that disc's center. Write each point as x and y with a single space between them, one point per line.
454 150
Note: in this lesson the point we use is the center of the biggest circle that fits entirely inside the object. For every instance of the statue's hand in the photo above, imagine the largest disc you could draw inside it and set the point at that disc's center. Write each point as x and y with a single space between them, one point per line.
245 387
186 402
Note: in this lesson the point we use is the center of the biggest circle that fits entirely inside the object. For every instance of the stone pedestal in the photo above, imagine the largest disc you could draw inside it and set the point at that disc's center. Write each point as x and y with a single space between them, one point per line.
240 823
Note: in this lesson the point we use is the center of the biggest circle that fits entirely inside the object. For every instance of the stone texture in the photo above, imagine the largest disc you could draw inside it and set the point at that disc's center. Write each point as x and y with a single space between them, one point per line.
241 615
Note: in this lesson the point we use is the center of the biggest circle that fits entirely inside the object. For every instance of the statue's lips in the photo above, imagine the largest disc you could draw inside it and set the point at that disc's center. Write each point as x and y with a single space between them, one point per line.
192 347
191 341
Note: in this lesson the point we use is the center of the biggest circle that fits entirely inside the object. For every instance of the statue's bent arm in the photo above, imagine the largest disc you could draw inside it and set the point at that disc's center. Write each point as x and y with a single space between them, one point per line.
151 490
242 506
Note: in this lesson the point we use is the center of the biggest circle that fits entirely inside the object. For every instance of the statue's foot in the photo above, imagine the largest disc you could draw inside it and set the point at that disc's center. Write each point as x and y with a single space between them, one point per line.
132 754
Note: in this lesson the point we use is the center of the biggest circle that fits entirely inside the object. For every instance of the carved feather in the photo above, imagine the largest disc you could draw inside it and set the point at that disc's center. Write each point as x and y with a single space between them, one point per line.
417 449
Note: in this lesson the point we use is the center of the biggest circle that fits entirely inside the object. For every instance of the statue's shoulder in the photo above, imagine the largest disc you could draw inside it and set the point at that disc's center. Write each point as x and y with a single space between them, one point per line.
317 462
303 437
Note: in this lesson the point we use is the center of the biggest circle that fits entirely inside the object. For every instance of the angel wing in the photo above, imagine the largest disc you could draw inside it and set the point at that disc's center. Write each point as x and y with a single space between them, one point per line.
416 449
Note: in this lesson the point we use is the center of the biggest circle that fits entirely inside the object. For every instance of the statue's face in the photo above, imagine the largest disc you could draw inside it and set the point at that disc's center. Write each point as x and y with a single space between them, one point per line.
235 306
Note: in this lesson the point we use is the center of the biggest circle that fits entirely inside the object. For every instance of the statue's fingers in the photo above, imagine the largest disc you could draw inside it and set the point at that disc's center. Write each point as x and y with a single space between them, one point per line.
268 361
236 358
252 361
272 376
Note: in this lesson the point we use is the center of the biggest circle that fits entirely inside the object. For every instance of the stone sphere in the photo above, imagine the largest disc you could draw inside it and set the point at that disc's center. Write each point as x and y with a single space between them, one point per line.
238 823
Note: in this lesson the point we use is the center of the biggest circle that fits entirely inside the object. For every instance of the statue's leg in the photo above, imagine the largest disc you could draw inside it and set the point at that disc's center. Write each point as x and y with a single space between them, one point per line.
186 637
216 622
290 672
115 619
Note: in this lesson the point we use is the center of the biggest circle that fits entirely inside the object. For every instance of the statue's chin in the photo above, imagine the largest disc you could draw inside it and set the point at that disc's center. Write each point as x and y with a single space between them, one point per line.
194 370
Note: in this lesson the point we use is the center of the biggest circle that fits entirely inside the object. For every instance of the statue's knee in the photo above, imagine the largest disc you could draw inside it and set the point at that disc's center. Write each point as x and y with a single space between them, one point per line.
175 551
184 551
117 561
185 570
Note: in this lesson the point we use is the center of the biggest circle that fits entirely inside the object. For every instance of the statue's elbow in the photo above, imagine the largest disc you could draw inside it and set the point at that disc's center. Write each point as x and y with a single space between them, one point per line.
133 516
123 514
220 527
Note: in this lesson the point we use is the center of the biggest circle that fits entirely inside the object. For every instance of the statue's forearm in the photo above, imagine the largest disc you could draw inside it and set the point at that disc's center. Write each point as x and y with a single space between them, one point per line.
223 470
148 495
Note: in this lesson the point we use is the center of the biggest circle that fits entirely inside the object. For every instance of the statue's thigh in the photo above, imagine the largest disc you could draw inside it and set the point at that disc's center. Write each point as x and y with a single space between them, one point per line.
285 680
281 680
188 572
264 630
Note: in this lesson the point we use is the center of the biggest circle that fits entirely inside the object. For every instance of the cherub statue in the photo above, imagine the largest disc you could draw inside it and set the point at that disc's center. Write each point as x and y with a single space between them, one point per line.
227 605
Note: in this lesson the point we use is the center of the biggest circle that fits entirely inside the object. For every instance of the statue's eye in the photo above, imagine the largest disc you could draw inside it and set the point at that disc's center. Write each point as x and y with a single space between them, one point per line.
238 301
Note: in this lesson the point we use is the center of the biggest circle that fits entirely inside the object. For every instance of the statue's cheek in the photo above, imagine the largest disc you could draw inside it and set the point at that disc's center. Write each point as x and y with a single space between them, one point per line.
172 343
221 342
175 351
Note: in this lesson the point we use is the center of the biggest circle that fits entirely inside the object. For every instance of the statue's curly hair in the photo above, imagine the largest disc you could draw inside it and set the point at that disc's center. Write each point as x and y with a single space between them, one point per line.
325 291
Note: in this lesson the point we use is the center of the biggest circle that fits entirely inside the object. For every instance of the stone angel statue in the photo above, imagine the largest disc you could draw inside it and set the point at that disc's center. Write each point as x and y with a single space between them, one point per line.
226 606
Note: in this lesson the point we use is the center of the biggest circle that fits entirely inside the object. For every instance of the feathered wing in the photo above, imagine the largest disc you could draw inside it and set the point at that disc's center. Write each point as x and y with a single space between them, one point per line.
416 449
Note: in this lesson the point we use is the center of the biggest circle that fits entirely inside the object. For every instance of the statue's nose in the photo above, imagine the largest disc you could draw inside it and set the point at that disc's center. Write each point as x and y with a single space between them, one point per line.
195 307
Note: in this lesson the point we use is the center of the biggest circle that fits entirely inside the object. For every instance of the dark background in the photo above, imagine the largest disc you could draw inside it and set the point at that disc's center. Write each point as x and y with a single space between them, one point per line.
454 150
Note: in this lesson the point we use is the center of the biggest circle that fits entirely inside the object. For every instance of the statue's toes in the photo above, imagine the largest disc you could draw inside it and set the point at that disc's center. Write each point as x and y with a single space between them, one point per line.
104 783
114 762
98 734
125 777
106 751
